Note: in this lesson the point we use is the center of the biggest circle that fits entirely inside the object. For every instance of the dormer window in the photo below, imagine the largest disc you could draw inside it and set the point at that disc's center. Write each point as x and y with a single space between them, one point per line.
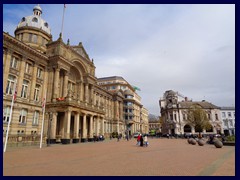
34 19
23 19
46 24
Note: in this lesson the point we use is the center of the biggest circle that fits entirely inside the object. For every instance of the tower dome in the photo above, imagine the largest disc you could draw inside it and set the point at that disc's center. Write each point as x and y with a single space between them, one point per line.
34 30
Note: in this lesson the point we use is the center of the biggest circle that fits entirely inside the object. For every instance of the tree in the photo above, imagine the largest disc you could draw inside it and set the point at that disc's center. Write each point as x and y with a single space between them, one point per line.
197 117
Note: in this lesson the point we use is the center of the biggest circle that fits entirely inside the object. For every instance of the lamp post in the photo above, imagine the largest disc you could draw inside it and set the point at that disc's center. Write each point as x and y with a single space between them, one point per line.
49 128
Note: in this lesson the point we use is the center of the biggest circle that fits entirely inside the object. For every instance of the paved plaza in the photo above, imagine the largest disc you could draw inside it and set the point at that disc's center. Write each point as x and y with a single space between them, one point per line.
163 157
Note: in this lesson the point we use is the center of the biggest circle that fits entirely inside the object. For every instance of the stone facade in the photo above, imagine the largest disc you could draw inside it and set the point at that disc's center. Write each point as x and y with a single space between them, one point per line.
174 109
135 116
77 108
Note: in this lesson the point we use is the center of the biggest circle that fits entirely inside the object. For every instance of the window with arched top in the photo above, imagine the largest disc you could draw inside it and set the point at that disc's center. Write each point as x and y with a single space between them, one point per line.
34 19
46 24
23 19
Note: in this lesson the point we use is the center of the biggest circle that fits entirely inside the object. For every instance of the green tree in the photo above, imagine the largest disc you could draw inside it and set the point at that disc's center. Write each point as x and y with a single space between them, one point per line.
197 117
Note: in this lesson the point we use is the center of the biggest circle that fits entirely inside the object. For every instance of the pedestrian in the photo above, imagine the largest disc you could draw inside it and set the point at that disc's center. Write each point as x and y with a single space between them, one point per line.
138 139
118 138
146 140
141 140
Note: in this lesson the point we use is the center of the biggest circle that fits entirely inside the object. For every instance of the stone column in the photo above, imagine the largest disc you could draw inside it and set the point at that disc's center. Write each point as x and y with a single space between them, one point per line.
97 126
76 128
102 126
7 60
91 95
21 76
45 82
82 92
67 120
86 93
50 84
84 129
91 129
33 83
53 128
56 81
65 84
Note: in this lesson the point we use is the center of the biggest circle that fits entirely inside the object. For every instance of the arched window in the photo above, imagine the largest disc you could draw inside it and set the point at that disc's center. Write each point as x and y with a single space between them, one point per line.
34 19
23 19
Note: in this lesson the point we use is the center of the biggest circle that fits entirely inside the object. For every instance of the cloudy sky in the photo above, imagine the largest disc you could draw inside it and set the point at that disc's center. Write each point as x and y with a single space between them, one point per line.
186 48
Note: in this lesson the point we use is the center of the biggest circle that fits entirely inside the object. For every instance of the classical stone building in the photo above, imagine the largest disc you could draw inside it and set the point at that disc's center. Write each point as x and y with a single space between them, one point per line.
174 107
135 116
77 107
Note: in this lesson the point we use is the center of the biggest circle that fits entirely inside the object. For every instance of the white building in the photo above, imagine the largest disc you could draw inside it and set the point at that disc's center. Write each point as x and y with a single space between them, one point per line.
228 119
174 108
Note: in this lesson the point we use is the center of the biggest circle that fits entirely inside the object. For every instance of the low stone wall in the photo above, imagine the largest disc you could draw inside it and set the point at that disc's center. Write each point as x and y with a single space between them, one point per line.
23 140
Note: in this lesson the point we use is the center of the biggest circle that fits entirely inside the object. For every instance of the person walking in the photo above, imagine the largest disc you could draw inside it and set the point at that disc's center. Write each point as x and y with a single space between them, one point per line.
138 139
146 140
141 140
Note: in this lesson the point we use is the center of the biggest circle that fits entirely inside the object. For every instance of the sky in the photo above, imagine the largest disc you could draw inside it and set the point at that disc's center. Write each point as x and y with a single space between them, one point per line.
188 48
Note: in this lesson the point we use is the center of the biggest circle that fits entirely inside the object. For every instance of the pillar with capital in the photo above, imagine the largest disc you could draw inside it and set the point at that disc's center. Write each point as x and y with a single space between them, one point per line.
56 81
86 93
33 83
91 129
7 61
66 135
84 129
65 84
53 122
76 128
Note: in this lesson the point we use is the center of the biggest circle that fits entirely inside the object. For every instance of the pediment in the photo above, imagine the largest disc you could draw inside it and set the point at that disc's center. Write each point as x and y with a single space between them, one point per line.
81 50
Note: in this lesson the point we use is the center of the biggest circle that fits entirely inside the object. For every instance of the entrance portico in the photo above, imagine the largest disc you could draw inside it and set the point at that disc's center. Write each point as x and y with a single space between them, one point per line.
73 126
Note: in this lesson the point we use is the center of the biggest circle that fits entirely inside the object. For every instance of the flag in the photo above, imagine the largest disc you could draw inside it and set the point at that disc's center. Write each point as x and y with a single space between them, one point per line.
136 88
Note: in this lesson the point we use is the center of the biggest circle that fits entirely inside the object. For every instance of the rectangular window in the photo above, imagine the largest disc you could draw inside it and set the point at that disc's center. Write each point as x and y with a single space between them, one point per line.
36 92
24 89
10 84
35 118
209 116
28 68
23 116
231 123
216 116
34 38
223 114
39 73
229 114
6 114
225 123
14 62
30 37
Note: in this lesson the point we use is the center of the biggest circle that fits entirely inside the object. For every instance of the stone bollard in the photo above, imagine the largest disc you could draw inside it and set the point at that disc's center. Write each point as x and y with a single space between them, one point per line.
218 144
200 142
189 140
193 142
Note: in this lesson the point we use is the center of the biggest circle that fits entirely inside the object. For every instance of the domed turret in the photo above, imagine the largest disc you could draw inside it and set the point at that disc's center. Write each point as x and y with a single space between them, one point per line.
33 30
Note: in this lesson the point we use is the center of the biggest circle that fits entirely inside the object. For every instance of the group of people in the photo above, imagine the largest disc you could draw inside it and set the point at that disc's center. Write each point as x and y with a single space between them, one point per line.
142 141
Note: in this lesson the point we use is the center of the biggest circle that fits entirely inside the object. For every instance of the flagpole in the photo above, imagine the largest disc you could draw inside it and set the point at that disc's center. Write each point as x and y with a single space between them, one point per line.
10 118
44 103
63 19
